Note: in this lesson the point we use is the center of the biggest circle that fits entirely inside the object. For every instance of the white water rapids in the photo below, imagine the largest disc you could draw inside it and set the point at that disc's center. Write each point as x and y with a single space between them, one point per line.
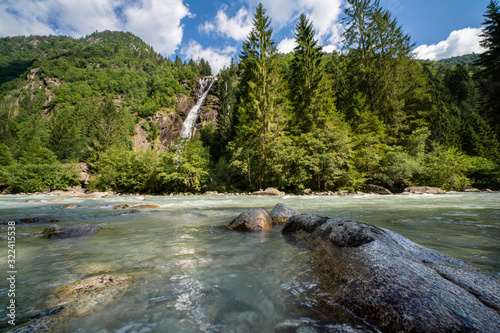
188 127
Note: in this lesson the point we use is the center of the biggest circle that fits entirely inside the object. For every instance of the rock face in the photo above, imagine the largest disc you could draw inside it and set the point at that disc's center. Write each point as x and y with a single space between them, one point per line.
254 219
375 189
72 231
424 190
281 212
395 284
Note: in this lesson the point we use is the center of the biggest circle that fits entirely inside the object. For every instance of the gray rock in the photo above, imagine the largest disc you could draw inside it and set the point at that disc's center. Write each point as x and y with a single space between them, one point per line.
375 189
72 231
307 223
281 212
394 283
269 191
424 190
253 219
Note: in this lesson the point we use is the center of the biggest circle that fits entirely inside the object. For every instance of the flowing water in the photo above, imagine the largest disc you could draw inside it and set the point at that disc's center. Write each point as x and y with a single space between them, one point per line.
188 128
190 274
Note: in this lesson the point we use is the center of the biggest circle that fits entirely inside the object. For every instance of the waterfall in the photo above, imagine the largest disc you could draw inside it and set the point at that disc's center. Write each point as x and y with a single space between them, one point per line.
188 127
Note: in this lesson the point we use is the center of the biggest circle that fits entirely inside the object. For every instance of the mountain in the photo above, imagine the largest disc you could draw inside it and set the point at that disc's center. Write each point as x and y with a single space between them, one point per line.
61 84
464 60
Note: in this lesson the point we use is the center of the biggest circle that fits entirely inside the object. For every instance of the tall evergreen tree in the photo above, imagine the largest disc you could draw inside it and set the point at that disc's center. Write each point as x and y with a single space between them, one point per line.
306 73
489 61
379 61
260 114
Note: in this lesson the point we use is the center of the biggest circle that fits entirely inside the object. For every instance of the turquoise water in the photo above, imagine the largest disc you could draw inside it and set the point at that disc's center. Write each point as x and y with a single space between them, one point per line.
190 274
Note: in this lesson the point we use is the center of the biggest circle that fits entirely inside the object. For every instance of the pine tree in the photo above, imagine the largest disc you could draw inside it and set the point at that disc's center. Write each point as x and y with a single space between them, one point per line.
490 62
306 73
379 61
260 114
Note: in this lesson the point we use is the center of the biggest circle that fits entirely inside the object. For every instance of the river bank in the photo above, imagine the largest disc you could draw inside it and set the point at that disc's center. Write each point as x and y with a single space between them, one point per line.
82 192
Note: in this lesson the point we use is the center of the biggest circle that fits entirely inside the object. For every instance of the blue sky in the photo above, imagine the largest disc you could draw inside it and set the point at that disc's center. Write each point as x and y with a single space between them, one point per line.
215 30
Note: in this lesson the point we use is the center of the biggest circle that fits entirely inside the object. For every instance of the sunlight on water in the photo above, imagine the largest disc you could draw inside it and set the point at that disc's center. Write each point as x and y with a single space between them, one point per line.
190 274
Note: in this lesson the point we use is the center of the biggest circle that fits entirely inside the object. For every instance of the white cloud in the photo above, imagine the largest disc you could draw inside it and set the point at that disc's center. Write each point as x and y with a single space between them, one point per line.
158 22
286 45
217 58
458 43
77 18
236 27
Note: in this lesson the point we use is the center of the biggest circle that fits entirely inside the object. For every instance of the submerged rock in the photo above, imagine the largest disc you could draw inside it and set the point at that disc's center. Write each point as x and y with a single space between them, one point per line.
121 206
39 220
69 206
72 231
281 212
253 219
146 206
394 283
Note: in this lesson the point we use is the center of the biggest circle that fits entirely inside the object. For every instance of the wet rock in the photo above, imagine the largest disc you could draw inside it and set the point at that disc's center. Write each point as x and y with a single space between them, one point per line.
32 200
281 212
269 191
288 325
81 298
253 219
39 220
375 189
69 206
72 231
309 329
394 283
96 195
122 206
424 190
145 206
307 223
472 190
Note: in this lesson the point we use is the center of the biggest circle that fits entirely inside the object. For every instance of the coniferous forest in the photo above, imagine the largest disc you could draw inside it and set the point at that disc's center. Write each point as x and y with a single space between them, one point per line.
370 113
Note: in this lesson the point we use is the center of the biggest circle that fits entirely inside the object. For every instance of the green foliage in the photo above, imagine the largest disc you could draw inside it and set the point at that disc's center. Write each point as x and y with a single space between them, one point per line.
5 155
308 119
182 169
30 178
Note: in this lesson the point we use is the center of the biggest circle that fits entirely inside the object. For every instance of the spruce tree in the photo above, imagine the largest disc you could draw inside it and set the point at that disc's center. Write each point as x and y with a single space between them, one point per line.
306 73
260 114
379 62
489 61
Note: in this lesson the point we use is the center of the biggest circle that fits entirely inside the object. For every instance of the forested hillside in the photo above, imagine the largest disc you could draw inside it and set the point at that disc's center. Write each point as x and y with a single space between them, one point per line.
308 119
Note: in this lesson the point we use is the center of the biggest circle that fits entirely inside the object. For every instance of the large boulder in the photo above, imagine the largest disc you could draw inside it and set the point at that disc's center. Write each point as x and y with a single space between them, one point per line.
424 190
73 231
375 189
395 284
253 219
281 212
269 191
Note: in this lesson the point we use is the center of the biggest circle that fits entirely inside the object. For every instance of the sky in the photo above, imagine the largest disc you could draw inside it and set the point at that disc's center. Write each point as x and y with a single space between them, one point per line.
215 30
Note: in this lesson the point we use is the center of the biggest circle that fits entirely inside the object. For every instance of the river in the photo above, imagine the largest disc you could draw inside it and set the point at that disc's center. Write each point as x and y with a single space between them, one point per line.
190 274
